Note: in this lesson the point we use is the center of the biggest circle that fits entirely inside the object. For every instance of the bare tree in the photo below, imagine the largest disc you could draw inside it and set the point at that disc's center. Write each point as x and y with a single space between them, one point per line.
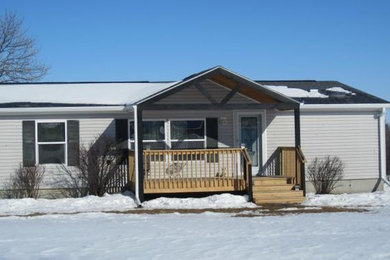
18 53
325 173
98 169
25 183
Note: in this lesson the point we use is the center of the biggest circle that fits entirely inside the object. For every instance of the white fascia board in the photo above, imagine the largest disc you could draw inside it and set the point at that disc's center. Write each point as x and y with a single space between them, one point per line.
344 107
57 110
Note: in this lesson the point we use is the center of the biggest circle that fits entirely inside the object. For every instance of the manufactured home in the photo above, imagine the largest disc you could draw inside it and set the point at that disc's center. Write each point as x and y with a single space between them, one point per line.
214 131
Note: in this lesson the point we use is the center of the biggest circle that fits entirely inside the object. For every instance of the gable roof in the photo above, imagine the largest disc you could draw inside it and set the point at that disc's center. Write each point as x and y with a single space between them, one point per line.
321 92
229 79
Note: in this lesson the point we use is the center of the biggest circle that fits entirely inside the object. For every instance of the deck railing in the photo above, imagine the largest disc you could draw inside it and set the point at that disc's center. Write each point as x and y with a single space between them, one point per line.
119 178
199 170
288 162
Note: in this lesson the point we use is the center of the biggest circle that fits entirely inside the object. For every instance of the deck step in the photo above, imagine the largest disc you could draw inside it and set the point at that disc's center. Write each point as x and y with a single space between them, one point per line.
279 201
272 188
279 194
270 181
283 197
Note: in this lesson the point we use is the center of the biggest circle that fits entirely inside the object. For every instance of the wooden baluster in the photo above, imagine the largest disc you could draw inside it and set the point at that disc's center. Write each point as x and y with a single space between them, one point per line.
166 177
192 168
205 167
197 168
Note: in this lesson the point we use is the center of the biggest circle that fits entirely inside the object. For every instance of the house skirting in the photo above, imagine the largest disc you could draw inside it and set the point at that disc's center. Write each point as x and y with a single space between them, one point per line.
353 186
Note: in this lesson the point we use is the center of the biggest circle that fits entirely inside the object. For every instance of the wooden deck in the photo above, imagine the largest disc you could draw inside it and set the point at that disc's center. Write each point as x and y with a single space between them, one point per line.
220 170
193 185
199 170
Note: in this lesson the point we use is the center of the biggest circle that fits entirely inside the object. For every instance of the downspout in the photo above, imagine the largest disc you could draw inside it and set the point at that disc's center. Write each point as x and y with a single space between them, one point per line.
136 169
382 140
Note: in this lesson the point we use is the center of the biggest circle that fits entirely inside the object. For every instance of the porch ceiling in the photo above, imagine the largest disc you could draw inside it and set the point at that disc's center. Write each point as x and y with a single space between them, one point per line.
243 89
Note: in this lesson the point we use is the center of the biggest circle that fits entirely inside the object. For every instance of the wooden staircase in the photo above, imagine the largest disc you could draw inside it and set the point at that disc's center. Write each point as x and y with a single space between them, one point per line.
275 190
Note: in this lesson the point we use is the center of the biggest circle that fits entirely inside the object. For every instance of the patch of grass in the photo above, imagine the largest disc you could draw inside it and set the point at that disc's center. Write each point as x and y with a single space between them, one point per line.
267 210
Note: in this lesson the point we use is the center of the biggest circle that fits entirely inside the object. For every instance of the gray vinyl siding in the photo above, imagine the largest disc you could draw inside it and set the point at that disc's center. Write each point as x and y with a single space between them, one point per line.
91 129
10 148
191 95
280 130
352 136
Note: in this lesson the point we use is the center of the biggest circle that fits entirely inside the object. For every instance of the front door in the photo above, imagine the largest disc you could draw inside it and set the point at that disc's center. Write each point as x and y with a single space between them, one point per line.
249 135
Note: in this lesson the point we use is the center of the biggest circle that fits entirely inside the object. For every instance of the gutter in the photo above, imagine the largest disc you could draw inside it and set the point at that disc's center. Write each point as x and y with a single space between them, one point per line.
57 110
375 106
382 140
136 157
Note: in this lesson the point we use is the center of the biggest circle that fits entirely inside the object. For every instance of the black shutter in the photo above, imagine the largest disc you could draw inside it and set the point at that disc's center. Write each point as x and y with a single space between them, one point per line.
121 130
28 143
212 137
212 132
73 142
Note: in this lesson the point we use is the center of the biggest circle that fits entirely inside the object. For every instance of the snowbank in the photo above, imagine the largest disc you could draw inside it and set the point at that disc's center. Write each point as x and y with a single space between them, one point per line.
116 202
125 202
214 201
374 199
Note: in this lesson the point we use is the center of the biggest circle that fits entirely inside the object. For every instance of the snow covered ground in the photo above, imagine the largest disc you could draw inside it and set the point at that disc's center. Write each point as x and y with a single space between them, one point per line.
207 235
116 202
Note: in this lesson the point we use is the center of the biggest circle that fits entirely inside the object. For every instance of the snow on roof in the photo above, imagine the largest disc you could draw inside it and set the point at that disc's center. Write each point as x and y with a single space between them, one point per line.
80 93
297 92
340 90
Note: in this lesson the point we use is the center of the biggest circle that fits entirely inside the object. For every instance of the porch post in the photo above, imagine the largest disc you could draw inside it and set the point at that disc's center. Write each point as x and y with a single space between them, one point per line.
297 121
139 176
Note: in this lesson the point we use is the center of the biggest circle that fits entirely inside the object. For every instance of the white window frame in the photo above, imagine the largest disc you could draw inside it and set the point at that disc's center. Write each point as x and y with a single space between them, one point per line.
167 131
188 140
165 141
37 143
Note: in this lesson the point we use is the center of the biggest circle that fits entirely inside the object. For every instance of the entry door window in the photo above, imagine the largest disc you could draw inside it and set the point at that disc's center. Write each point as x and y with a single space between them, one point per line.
249 135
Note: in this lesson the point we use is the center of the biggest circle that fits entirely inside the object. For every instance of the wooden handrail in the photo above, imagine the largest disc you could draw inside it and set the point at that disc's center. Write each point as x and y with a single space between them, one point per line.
246 156
300 153
292 161
193 150
248 172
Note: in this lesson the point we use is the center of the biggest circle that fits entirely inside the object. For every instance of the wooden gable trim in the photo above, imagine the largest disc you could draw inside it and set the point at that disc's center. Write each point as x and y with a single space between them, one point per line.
245 90
227 79
205 93
174 89
230 94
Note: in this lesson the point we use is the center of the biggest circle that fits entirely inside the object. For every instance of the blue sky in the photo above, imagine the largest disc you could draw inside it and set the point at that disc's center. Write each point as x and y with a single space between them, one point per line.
348 41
